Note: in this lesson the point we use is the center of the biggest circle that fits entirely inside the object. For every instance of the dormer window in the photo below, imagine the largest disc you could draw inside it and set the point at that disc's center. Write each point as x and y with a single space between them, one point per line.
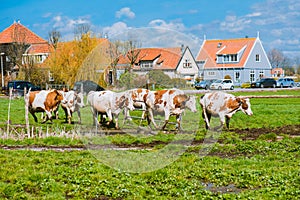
227 58
146 64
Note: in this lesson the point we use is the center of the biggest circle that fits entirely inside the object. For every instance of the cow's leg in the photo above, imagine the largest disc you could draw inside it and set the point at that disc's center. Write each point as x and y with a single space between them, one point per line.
69 117
227 119
117 121
66 114
222 122
33 115
56 112
94 113
48 116
167 116
109 116
127 114
150 118
79 116
102 118
178 120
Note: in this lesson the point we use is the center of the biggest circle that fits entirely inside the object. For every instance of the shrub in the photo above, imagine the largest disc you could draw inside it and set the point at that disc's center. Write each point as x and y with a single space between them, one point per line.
227 77
246 85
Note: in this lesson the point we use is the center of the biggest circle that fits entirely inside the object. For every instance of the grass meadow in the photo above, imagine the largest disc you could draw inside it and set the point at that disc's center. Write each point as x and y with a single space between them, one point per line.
257 158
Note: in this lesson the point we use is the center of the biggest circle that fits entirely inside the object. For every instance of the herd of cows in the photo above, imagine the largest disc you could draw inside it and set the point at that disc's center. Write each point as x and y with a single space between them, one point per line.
108 105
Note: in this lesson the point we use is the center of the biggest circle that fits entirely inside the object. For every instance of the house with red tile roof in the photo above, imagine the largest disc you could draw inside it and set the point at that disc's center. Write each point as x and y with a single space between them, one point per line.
175 62
277 72
33 47
243 59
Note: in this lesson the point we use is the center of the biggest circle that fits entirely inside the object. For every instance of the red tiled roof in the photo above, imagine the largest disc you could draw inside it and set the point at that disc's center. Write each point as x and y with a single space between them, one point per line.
19 33
39 48
211 48
168 58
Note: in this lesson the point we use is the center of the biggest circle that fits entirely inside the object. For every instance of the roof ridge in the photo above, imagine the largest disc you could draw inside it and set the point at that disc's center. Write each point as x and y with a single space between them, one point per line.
18 27
232 39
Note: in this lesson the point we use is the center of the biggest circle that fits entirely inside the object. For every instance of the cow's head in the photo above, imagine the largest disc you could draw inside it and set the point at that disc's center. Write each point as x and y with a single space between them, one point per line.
58 96
80 102
245 105
125 100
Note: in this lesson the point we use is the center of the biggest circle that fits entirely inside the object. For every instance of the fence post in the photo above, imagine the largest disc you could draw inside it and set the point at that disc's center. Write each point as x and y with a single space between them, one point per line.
8 111
26 98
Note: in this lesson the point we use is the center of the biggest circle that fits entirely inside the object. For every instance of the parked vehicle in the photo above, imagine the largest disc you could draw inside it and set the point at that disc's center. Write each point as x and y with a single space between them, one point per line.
285 82
222 84
87 86
205 84
264 82
18 87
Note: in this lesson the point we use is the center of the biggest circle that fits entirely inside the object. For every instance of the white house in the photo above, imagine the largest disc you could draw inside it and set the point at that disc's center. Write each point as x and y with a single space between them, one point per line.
175 62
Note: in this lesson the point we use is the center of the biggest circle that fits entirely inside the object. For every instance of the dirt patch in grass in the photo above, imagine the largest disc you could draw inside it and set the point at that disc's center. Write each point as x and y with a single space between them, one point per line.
254 133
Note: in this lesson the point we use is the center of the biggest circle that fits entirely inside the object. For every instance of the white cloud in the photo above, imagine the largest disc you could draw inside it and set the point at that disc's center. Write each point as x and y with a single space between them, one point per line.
126 12
233 23
66 25
116 29
46 15
255 14
173 25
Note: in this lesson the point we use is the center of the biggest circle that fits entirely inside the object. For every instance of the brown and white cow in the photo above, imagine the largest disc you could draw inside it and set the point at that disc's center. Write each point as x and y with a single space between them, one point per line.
141 100
170 102
222 105
109 103
73 103
44 101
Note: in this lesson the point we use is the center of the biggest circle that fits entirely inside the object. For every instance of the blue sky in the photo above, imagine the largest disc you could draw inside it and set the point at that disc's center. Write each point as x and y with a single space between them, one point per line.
164 22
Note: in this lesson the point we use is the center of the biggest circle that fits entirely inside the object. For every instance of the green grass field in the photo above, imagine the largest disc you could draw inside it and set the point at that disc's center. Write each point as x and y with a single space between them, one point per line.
257 158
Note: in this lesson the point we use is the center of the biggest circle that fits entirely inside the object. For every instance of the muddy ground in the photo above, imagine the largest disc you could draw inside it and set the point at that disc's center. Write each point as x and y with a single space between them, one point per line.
245 134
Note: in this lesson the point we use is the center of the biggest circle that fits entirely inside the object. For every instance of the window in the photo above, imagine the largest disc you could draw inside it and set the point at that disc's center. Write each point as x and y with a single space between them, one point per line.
252 75
39 58
227 58
257 58
261 74
187 64
233 57
146 65
237 76
211 73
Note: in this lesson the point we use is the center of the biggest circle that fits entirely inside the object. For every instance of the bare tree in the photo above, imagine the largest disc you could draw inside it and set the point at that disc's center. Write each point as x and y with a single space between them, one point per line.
276 58
54 37
81 29
132 53
114 56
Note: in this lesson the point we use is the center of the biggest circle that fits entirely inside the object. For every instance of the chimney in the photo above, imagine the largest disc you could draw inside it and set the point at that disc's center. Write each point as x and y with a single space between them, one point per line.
182 48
